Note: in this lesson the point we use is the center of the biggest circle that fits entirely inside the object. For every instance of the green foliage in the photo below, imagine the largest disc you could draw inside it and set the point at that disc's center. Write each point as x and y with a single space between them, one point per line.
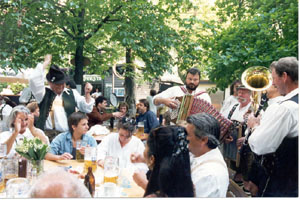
2 86
32 149
259 32
16 88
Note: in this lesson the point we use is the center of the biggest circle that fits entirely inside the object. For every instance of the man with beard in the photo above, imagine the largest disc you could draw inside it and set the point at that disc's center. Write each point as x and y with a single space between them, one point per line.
192 81
146 116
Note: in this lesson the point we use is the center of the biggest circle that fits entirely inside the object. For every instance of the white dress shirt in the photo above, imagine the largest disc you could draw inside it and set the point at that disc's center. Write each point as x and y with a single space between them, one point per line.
110 146
37 86
6 109
176 91
4 136
210 174
280 120
239 113
228 103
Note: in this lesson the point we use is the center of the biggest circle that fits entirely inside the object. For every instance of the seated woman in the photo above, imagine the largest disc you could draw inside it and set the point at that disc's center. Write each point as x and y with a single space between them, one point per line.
122 145
21 123
167 157
63 146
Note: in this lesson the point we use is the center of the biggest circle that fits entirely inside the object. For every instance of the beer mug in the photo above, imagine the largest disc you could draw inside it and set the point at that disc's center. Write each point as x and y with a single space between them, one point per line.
111 169
79 144
90 159
17 188
140 128
10 167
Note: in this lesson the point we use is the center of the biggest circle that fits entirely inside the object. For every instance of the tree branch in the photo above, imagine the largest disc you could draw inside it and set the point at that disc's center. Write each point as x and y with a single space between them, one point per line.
106 19
68 33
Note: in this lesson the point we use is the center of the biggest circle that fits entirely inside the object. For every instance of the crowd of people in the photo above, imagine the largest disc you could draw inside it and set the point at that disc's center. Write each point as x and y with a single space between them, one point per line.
178 160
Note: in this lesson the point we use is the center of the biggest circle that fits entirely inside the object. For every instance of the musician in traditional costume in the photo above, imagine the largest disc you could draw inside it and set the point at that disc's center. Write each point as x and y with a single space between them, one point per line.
192 81
56 102
276 138
236 115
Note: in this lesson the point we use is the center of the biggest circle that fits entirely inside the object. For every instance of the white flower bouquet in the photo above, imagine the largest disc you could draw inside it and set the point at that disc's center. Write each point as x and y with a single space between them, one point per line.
32 149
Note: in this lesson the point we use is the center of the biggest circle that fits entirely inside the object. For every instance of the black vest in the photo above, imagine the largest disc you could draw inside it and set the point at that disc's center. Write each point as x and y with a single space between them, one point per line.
69 105
282 167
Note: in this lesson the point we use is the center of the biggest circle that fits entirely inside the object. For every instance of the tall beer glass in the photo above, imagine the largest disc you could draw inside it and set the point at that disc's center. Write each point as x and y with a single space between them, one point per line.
90 159
111 169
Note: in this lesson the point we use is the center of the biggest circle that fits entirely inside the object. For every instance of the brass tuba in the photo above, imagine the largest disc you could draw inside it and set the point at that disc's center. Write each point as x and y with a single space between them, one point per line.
257 79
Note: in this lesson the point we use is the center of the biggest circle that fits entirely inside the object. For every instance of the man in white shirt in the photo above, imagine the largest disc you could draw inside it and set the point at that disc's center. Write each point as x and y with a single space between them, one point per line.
56 102
192 82
122 145
276 137
5 110
208 168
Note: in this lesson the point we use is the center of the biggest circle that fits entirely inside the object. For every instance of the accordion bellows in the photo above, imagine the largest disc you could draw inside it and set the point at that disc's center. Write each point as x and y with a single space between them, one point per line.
190 105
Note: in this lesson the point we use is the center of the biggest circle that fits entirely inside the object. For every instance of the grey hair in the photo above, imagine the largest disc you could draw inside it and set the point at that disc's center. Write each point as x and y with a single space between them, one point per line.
58 183
206 126
288 65
14 112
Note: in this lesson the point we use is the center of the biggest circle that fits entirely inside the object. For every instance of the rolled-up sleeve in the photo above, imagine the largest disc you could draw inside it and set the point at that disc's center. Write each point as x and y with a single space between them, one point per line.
37 83
82 105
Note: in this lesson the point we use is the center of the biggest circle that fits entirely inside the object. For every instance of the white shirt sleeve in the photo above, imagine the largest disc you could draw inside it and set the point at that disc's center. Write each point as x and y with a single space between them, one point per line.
102 148
37 83
208 189
81 102
277 122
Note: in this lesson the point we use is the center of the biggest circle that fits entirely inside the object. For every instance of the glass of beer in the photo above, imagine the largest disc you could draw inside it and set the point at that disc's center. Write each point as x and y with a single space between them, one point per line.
10 166
140 128
79 145
111 169
90 159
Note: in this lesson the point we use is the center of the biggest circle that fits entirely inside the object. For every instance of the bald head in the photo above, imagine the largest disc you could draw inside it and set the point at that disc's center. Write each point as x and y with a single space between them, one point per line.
58 183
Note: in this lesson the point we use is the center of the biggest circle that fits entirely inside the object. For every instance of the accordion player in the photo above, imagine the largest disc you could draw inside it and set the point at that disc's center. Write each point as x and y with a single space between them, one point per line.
189 105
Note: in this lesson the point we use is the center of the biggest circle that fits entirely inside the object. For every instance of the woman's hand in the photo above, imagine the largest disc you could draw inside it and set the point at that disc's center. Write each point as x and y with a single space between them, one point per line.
65 156
17 126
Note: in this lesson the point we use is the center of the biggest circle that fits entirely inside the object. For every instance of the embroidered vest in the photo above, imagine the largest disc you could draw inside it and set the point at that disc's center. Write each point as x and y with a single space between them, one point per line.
46 104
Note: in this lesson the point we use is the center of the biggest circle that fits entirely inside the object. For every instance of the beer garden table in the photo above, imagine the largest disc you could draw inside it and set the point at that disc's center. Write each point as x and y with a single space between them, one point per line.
142 136
128 188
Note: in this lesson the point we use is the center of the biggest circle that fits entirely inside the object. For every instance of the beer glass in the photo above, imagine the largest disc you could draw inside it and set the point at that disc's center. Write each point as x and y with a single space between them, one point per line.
90 159
111 169
10 168
17 188
140 128
79 144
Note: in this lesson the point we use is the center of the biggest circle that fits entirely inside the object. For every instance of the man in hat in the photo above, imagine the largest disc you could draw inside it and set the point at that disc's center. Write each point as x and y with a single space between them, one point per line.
237 116
208 169
56 102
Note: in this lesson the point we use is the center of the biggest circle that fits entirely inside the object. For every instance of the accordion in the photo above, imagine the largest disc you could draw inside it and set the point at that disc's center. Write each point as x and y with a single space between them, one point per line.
190 105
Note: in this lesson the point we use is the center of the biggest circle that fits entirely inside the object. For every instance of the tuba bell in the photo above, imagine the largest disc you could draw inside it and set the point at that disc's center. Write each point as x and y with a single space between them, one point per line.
257 79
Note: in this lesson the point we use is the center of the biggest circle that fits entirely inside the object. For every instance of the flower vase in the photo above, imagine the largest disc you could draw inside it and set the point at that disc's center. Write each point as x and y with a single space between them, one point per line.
36 167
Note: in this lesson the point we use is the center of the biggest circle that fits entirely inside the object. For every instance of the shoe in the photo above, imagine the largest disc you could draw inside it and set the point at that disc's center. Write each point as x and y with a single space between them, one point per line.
247 192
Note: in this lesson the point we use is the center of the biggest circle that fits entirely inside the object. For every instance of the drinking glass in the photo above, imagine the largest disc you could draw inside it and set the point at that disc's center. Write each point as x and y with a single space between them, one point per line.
79 144
90 159
3 150
17 188
11 166
140 128
111 169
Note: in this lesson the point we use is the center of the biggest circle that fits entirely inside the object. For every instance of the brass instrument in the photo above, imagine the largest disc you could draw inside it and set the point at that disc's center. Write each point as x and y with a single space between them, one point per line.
256 79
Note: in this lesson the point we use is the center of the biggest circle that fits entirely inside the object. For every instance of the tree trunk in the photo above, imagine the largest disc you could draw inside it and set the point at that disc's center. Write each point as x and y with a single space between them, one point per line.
78 76
130 84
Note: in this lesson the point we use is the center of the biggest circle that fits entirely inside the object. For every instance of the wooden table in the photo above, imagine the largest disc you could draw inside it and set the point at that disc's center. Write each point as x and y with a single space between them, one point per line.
125 181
